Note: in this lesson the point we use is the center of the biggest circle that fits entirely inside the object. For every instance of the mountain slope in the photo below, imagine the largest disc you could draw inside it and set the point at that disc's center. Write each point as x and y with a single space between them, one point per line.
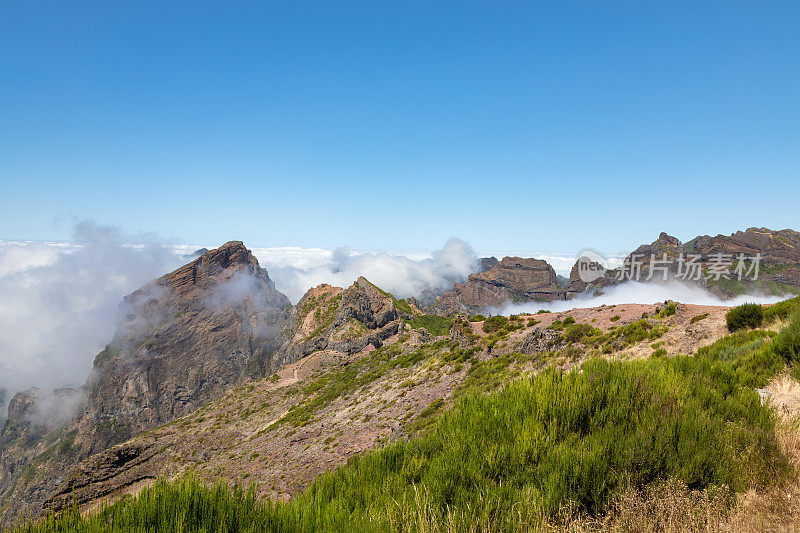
316 413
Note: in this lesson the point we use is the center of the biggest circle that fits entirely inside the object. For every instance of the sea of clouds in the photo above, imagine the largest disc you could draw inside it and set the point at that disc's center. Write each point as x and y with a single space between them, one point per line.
635 292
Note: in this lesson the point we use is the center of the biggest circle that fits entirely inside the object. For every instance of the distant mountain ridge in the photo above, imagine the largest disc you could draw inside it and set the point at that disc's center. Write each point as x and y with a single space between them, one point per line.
519 280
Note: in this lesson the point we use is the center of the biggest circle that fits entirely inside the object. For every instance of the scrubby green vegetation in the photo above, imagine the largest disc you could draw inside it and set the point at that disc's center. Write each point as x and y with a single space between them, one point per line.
746 316
324 312
578 332
495 324
697 318
433 324
107 354
668 310
781 310
541 444
787 342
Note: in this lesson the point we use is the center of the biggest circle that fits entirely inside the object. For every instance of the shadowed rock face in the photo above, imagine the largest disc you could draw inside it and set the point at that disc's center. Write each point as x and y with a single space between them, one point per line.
512 280
180 341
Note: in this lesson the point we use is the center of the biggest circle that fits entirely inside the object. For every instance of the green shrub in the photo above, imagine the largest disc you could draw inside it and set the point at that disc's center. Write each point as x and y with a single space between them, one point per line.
614 318
433 324
697 318
494 323
668 310
746 316
577 332
749 355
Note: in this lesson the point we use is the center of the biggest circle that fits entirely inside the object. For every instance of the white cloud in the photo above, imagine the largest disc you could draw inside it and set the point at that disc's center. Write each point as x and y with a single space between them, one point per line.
298 270
634 292
58 303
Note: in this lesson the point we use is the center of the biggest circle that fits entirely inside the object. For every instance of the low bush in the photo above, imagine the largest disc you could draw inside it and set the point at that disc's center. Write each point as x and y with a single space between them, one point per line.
781 310
494 323
577 332
433 324
668 310
746 316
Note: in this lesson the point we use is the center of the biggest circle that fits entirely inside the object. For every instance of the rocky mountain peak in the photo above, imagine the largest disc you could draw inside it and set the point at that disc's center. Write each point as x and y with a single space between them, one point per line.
181 340
214 266
511 280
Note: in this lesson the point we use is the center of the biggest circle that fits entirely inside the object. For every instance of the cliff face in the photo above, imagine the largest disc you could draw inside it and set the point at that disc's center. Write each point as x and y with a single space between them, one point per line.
512 280
181 341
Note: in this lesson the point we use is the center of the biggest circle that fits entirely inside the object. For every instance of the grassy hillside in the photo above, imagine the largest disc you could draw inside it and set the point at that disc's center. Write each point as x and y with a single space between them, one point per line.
542 447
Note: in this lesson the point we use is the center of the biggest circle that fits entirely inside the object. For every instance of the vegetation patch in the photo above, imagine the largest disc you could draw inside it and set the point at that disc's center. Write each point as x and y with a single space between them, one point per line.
668 310
433 324
746 316
781 310
108 353
541 444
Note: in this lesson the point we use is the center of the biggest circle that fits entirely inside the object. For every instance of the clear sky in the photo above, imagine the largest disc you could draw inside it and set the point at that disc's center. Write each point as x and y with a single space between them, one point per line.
395 125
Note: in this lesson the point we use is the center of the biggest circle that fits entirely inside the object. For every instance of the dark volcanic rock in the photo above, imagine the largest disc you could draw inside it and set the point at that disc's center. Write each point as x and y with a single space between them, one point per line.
577 285
180 341
512 280
487 263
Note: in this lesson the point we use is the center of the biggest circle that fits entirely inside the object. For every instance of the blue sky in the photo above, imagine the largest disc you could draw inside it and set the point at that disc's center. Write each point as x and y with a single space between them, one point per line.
395 125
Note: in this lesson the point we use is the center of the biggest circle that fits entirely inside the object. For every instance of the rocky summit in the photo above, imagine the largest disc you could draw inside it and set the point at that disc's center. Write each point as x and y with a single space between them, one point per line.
512 280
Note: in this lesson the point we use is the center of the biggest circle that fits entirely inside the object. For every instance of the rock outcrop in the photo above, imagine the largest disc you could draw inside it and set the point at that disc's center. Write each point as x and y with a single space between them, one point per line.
344 320
512 280
589 277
